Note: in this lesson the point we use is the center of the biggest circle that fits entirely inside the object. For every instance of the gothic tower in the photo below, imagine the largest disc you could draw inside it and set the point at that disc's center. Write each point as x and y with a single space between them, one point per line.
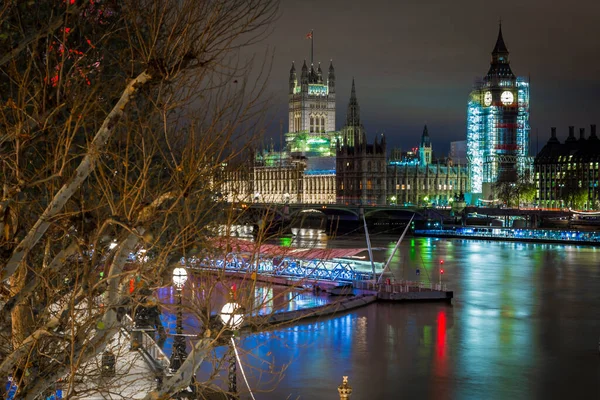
425 148
498 124
353 133
311 111
360 167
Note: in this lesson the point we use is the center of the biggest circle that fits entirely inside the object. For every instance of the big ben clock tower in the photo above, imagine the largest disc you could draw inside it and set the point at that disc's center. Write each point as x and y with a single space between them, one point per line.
498 125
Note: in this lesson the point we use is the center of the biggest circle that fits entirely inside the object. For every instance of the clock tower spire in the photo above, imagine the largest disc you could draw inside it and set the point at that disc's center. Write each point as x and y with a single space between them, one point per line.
500 52
500 63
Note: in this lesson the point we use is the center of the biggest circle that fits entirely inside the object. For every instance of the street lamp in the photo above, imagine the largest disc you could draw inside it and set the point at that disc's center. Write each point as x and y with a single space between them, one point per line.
179 354
232 317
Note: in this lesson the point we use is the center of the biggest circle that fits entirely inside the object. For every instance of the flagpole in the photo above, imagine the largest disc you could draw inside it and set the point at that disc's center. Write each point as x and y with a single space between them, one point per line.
312 41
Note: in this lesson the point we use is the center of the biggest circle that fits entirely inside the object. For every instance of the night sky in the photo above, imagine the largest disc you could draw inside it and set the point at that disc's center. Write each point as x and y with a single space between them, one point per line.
414 61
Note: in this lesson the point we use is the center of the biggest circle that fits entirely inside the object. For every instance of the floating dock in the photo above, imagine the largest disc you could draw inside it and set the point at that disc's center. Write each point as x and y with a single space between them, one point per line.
406 291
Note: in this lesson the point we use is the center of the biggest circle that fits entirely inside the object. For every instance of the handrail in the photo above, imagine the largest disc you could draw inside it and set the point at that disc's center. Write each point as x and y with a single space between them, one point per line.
153 354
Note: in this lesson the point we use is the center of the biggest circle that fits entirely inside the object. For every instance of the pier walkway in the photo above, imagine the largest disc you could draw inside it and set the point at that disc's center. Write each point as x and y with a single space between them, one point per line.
558 236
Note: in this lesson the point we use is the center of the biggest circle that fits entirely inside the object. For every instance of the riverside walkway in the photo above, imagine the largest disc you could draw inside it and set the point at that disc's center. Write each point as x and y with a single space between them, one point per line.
558 236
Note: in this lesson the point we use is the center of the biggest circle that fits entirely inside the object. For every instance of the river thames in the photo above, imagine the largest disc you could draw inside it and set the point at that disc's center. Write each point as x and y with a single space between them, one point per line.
524 324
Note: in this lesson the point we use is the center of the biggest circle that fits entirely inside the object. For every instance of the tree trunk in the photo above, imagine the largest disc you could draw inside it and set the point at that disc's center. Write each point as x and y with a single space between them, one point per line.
21 315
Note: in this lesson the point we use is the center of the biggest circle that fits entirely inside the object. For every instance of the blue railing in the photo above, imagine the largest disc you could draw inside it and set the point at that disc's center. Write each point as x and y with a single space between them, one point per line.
539 235
333 270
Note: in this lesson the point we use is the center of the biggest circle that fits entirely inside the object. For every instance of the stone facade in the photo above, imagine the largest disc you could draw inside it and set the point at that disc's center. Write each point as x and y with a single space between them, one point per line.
311 112
413 183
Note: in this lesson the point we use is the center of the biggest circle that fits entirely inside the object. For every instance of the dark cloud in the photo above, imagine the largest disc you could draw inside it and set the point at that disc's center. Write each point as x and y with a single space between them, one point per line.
414 61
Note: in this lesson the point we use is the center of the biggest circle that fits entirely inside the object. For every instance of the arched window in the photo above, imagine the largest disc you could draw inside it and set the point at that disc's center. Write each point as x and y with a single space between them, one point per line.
312 124
323 124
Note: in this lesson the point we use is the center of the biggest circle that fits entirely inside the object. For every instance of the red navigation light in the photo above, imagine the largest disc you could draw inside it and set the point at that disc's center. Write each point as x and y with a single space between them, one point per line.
442 262
442 271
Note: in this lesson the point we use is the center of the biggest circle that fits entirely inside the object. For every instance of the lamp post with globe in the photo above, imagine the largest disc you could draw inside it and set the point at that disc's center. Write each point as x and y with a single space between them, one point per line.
232 317
179 354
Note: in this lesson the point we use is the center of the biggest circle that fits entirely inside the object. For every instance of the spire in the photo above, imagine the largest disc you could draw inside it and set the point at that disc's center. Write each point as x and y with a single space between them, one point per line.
500 64
425 139
331 78
304 75
293 79
353 115
500 52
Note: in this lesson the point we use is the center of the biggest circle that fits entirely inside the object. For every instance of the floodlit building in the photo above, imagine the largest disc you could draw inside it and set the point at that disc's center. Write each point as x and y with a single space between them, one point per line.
566 174
414 178
311 112
498 125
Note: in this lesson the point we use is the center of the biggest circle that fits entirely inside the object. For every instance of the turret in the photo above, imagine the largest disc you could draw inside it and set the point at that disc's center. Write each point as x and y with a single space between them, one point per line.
304 78
425 139
293 78
319 74
425 148
331 78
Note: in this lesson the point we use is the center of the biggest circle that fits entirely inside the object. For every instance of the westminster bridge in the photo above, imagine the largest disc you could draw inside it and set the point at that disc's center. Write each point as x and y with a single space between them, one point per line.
381 218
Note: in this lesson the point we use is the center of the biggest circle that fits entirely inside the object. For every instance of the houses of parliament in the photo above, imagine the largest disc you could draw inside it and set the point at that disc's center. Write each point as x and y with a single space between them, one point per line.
321 164
324 165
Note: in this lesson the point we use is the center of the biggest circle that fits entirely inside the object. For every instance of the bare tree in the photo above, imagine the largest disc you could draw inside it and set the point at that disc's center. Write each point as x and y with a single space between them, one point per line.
114 116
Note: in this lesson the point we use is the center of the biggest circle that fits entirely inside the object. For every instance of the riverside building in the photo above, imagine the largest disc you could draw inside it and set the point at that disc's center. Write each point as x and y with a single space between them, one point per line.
566 174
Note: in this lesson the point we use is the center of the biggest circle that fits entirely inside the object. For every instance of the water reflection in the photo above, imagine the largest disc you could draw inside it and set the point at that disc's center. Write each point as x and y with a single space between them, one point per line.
524 324
264 299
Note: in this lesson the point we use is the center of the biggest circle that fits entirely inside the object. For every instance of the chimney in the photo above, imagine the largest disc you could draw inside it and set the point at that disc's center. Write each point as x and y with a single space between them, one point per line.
571 137
553 133
593 130
581 133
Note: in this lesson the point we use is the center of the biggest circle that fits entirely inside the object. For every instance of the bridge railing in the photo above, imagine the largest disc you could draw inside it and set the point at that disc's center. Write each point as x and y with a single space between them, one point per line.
334 270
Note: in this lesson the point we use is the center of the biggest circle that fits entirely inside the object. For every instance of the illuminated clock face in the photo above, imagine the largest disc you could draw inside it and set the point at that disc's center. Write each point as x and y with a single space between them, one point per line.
507 98
487 98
